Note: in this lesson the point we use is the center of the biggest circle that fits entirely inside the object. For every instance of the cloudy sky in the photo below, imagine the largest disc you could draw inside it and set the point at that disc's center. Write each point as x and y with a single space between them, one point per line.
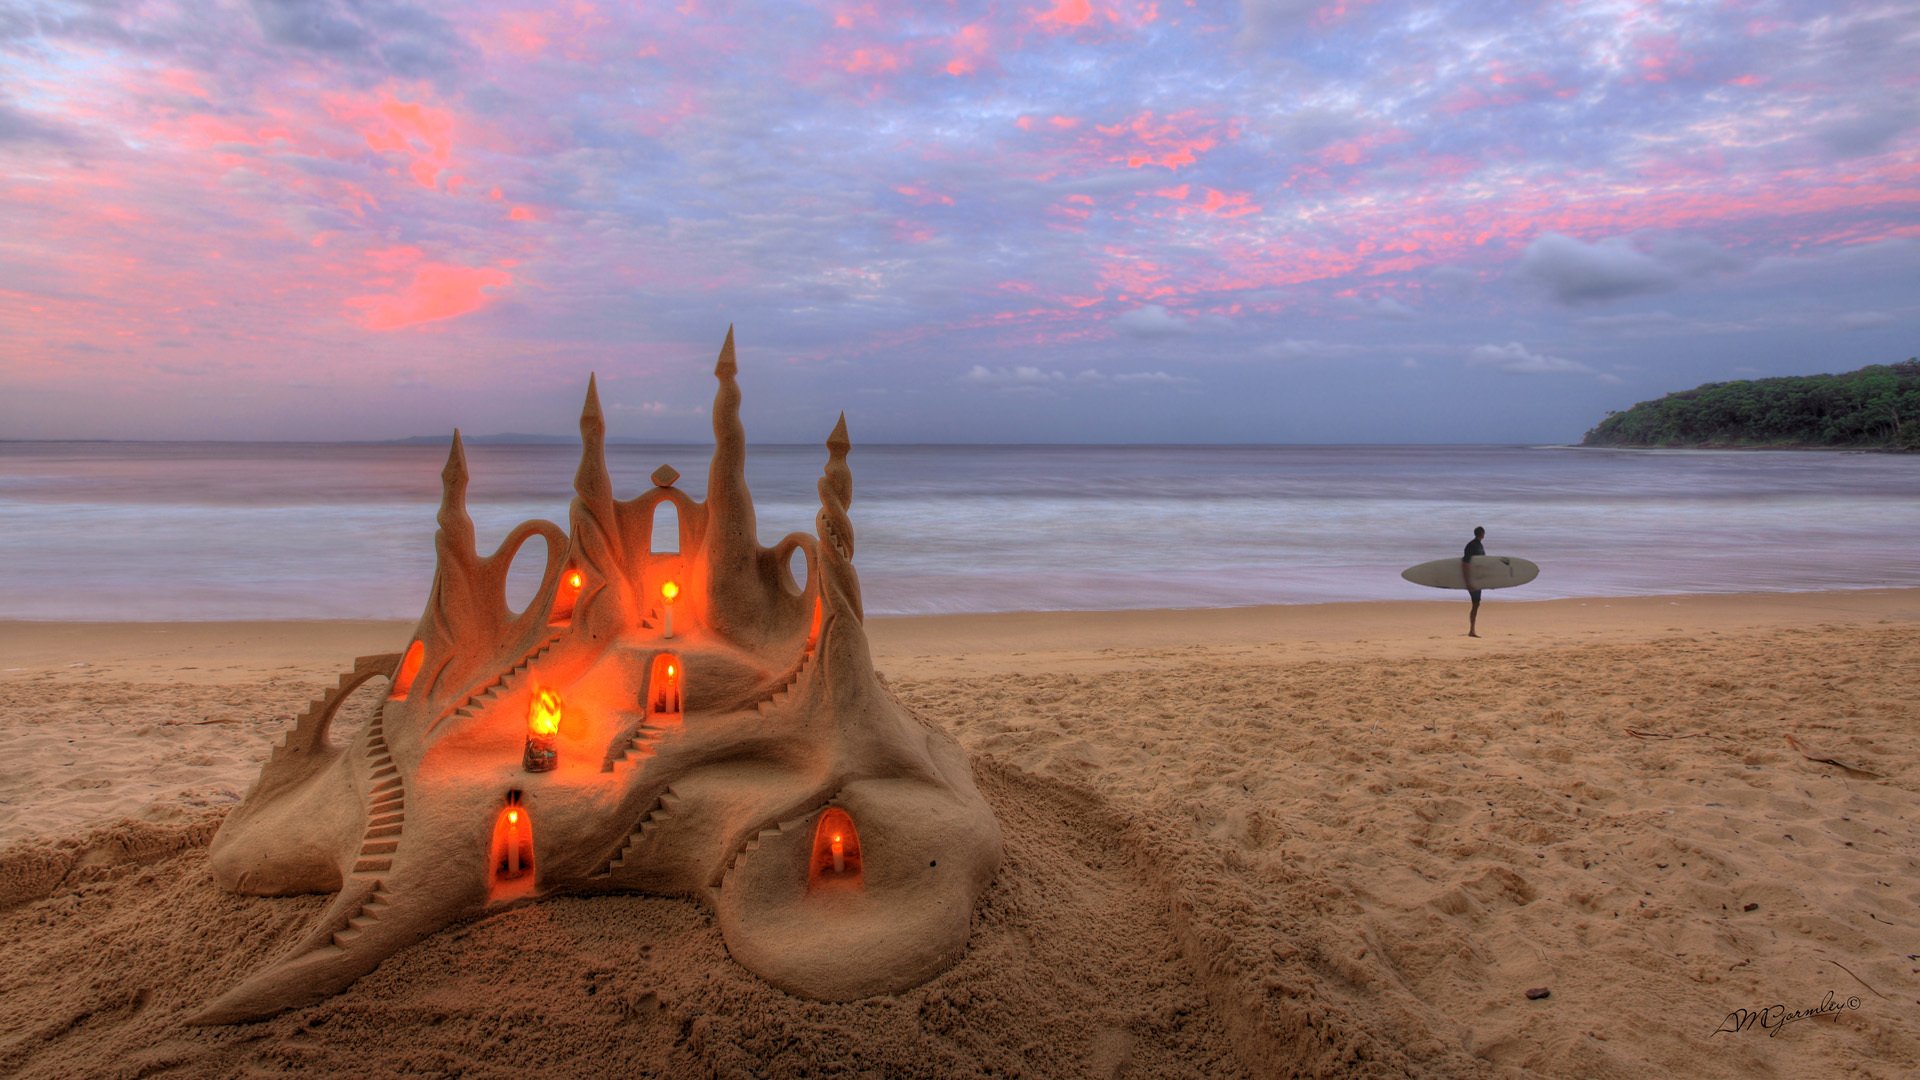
1023 220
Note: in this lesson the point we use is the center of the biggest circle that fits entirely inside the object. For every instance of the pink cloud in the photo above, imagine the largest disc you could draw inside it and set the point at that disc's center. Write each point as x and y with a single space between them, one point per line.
438 291
1171 143
920 196
421 133
1220 204
1066 13
971 47
876 60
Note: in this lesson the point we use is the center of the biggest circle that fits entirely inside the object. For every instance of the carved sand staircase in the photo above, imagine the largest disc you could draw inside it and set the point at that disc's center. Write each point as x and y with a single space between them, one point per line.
780 697
309 731
486 693
641 745
369 912
386 803
779 828
651 823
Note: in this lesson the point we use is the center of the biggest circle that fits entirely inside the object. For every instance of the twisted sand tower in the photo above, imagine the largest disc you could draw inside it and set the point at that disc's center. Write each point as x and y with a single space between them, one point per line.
687 721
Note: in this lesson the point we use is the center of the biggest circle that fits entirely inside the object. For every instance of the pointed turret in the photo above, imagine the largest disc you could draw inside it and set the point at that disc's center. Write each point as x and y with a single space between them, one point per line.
834 527
737 605
836 488
590 480
594 527
456 527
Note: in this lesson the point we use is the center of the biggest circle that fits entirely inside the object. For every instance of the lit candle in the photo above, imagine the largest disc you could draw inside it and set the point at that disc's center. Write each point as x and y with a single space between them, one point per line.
839 847
672 696
513 843
668 591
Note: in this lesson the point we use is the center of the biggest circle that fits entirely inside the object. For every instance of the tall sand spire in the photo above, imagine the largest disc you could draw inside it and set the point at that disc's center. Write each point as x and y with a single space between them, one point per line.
733 544
456 527
590 480
833 526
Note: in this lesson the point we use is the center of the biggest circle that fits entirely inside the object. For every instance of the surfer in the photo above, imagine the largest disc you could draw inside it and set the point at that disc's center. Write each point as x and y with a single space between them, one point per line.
1474 547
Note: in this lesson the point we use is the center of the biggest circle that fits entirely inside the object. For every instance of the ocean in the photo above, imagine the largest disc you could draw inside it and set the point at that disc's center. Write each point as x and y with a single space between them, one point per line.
163 531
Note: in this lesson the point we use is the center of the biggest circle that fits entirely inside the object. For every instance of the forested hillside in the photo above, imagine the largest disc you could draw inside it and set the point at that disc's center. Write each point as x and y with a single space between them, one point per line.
1876 407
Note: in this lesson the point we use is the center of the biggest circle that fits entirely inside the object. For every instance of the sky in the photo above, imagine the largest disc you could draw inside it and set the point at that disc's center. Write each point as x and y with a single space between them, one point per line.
1267 221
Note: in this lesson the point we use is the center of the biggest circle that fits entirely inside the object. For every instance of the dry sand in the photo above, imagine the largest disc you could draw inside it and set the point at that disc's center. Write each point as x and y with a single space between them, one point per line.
1324 841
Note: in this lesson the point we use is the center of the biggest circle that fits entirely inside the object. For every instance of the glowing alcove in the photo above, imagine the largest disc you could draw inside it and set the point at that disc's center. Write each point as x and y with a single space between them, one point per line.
511 857
409 667
836 851
566 596
665 683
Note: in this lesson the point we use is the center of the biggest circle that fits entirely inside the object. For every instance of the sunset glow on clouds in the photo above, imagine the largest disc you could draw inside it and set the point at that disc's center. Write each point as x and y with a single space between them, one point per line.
1272 220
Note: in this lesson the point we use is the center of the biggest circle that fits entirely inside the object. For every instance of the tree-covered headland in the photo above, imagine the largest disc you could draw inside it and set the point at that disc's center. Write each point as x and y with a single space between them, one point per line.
1876 407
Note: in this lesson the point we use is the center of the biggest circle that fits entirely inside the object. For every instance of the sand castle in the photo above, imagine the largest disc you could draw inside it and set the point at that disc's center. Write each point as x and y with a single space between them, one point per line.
672 714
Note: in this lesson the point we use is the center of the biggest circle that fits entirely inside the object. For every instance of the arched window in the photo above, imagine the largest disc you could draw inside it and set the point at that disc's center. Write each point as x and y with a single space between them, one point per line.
666 529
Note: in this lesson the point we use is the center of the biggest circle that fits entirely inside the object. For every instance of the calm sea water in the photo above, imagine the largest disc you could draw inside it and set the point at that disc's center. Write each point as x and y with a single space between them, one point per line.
149 531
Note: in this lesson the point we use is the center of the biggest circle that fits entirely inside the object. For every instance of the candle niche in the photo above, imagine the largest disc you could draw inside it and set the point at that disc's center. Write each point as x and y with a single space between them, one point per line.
511 856
836 851
566 596
664 683
409 667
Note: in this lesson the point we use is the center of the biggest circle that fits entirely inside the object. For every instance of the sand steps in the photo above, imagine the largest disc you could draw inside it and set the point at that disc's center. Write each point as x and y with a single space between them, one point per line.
770 832
386 806
367 914
310 726
490 691
663 808
644 743
780 697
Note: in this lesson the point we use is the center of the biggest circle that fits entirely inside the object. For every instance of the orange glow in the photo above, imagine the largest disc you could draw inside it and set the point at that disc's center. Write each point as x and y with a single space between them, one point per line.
669 590
543 718
663 696
512 854
574 579
409 667
836 850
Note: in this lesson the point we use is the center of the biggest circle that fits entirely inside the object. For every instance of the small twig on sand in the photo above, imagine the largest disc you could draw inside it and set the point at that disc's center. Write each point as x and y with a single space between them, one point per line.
217 720
1811 756
1856 978
1664 735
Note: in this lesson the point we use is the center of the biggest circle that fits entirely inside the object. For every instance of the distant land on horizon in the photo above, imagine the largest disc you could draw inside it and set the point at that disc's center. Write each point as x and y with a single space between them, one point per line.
1874 408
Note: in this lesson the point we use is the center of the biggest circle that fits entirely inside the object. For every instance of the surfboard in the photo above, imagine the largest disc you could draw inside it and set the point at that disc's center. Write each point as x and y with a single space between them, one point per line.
1489 572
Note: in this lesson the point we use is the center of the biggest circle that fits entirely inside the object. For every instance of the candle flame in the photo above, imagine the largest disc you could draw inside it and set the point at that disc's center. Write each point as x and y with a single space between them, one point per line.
574 579
513 817
669 590
544 717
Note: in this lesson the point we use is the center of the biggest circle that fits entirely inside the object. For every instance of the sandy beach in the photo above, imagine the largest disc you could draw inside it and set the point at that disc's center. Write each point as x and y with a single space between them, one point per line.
1325 840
